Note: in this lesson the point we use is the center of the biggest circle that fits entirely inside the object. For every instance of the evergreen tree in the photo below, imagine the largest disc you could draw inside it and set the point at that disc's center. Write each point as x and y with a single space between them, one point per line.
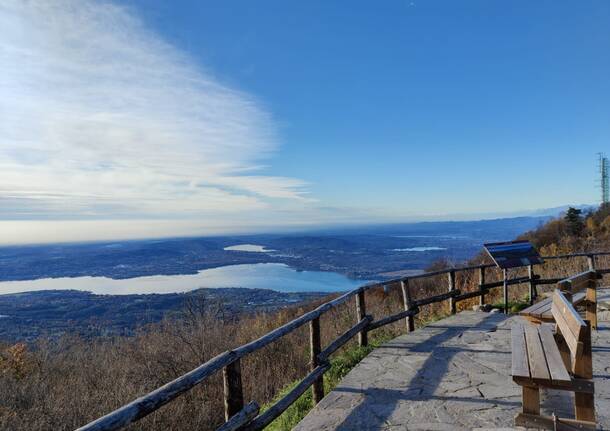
574 221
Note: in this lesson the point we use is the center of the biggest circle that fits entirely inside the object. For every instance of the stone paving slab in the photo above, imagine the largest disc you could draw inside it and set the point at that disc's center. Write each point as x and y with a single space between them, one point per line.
451 375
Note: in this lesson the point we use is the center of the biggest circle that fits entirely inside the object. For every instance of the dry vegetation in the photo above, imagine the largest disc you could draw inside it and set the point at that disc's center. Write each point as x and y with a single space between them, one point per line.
64 384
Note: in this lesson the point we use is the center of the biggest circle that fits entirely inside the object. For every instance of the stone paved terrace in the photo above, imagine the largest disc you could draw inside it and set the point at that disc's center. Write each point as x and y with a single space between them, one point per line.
451 375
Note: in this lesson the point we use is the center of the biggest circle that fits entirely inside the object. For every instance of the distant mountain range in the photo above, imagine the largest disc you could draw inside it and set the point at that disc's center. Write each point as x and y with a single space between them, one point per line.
557 211
496 218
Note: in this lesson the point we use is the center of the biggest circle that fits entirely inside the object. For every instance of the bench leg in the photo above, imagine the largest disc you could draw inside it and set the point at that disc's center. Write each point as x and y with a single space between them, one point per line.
531 400
591 307
591 314
584 406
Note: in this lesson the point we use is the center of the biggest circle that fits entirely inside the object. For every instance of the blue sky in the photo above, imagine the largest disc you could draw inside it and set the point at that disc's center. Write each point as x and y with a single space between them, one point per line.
381 101
441 106
274 113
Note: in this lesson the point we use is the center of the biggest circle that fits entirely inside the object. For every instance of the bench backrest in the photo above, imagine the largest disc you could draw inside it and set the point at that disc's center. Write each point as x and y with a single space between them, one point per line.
586 281
575 332
578 282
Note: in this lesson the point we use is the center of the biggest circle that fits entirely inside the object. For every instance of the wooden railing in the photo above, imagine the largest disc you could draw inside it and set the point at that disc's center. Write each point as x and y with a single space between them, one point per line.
247 417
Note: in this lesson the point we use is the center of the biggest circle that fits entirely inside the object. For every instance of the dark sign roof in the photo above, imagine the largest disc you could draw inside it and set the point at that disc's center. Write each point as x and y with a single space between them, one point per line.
513 254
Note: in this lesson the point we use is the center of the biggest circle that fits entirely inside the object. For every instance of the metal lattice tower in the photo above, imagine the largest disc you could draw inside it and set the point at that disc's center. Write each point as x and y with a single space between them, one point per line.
603 178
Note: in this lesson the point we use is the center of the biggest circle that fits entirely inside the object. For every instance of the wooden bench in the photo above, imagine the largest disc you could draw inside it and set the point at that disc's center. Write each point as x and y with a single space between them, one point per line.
581 288
560 360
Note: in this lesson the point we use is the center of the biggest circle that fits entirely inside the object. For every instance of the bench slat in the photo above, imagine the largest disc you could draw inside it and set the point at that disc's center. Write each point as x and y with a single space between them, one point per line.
569 322
578 282
535 354
542 310
572 318
537 308
571 341
557 368
547 315
520 367
577 299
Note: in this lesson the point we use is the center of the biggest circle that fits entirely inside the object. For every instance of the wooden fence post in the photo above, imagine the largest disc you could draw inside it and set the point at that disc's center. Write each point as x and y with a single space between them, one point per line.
233 393
482 282
591 262
314 349
591 313
505 290
360 313
406 299
530 272
452 303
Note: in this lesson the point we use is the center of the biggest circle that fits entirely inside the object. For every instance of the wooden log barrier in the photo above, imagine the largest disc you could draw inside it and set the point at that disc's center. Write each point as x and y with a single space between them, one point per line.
229 361
244 416
344 338
436 298
516 280
391 319
142 406
265 418
545 281
468 295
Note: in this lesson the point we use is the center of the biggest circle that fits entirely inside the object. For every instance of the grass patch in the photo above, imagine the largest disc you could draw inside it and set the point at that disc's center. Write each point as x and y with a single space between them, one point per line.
339 367
513 306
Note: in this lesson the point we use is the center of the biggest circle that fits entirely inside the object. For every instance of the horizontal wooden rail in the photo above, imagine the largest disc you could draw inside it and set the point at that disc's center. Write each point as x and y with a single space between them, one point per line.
240 419
567 256
544 281
391 319
469 295
150 402
292 325
480 266
483 288
279 407
575 281
436 298
139 408
435 273
513 281
344 338
145 405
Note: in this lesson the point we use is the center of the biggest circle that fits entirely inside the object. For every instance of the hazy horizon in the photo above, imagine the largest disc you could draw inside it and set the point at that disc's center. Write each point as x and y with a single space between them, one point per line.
51 232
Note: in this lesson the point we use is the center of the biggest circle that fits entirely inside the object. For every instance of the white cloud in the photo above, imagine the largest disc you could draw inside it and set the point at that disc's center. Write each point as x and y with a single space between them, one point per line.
100 118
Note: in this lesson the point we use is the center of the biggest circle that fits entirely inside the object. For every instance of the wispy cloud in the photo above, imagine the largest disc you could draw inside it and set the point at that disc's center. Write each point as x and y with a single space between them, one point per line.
100 118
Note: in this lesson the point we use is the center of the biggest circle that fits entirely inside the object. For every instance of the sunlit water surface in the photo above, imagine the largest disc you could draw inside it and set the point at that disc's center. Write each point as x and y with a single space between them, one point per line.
275 276
253 248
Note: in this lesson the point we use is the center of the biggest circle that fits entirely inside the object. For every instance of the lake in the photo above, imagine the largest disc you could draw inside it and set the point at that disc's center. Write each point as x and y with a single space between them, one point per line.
274 276
253 248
